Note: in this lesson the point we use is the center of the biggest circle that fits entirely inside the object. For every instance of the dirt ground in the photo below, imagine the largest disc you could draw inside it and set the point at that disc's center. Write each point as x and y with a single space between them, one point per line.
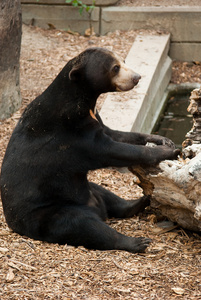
170 268
158 3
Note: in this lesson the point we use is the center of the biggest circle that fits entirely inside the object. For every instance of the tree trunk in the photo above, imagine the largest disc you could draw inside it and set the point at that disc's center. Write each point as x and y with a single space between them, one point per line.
10 42
175 186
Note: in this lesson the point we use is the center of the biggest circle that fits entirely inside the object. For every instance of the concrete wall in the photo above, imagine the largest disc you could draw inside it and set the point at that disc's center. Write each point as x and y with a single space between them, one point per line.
183 23
61 17
63 2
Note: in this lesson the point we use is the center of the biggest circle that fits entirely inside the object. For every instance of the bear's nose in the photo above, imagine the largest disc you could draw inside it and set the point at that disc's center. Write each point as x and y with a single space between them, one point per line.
136 78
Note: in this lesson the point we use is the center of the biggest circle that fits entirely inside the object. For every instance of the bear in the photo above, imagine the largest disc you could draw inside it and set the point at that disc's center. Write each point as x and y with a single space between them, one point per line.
60 137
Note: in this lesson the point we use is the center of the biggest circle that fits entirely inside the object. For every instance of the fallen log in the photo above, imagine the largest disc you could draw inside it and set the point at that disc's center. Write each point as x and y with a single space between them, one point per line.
175 186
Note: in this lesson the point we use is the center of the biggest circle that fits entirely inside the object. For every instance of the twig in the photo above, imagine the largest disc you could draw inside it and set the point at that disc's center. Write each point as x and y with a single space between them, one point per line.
22 264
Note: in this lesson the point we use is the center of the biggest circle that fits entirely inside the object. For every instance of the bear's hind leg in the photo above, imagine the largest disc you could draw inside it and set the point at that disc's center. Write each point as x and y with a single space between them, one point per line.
118 207
79 226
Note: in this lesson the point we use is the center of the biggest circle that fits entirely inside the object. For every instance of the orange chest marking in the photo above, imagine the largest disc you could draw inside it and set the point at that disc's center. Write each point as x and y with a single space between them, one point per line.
92 115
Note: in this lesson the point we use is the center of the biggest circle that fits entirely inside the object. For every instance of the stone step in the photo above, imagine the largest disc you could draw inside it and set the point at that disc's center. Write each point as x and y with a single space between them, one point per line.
149 57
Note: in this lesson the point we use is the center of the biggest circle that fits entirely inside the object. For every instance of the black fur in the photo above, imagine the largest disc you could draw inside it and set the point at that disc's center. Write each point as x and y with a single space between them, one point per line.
44 187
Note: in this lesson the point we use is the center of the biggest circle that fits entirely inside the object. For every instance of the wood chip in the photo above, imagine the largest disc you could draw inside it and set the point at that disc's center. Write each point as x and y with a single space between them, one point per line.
10 275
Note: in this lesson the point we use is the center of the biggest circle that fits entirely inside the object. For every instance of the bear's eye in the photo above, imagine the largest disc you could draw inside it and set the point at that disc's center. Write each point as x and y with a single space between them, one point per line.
116 69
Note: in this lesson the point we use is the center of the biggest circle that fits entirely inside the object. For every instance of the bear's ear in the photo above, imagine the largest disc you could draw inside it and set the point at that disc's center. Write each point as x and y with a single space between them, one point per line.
75 73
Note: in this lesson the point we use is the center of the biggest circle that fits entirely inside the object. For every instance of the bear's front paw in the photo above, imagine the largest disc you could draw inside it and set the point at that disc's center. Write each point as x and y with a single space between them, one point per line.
167 142
160 140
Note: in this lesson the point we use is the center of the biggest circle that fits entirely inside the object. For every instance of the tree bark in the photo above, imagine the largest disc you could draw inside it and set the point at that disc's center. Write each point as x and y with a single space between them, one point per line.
10 43
175 189
175 186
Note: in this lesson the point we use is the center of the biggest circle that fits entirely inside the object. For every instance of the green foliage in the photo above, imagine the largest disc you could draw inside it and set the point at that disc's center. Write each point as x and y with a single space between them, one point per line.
82 6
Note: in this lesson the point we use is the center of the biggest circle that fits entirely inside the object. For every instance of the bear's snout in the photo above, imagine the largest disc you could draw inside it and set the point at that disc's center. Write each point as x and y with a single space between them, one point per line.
136 78
126 79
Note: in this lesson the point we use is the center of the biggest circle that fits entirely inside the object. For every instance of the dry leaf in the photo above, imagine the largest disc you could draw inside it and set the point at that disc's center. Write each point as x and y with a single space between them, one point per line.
178 290
89 32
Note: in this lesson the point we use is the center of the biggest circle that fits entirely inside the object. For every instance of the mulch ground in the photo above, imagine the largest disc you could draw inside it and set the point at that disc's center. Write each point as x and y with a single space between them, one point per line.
170 268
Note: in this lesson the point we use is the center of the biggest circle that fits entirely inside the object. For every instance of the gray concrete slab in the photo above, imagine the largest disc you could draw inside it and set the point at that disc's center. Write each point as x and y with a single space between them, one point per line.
183 22
60 16
62 2
186 51
149 57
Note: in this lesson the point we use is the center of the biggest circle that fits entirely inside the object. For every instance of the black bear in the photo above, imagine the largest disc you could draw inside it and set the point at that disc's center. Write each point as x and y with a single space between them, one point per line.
44 186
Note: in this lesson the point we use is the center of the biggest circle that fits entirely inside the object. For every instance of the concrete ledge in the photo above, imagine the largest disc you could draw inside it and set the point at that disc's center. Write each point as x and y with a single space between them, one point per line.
62 17
186 51
63 2
151 109
184 23
148 57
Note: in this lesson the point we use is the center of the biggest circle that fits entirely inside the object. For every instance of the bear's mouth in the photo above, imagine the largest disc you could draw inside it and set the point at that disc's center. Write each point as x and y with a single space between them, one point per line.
118 89
127 87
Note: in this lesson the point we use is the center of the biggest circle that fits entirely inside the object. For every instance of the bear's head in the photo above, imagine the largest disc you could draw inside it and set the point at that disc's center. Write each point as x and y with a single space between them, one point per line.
102 71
